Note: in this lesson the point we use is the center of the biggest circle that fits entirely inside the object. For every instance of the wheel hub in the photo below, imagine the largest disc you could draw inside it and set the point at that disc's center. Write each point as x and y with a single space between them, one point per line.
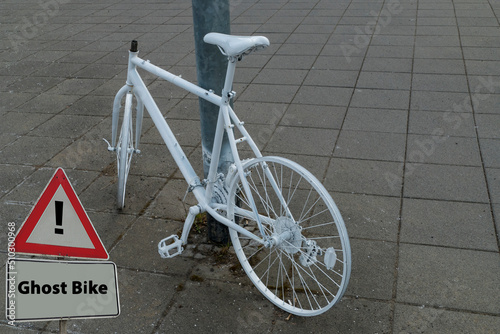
288 233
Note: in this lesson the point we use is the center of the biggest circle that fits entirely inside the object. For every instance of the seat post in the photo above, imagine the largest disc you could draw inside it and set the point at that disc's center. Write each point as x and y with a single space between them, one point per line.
228 83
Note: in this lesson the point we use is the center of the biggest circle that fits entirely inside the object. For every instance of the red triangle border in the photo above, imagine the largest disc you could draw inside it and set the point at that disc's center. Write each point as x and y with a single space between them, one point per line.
21 244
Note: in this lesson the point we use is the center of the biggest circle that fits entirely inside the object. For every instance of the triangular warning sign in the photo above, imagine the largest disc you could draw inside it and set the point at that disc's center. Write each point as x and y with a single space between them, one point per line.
58 225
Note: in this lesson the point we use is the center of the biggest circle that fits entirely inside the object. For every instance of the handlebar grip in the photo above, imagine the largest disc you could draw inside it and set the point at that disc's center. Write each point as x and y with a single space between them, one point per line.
133 46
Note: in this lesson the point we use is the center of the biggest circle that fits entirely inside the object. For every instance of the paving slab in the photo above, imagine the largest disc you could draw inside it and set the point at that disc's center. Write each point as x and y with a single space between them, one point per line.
421 319
448 277
449 224
446 182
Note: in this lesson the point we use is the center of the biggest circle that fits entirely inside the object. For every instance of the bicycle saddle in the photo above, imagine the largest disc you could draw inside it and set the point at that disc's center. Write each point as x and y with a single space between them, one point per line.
236 46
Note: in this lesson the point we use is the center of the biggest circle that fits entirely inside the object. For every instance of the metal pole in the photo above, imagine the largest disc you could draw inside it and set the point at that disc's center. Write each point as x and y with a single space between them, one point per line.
63 326
211 16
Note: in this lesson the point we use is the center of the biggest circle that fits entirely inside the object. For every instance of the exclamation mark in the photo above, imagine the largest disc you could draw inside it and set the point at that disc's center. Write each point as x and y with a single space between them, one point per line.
59 214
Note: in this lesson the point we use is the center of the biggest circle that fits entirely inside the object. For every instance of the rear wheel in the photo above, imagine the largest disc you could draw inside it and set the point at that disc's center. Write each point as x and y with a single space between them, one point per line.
307 268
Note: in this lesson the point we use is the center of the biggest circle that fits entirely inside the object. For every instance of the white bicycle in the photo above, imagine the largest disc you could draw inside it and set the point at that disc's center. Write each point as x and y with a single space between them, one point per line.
285 228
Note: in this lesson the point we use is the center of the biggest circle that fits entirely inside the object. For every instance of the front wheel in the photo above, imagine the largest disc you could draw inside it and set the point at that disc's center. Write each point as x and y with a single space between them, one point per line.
304 269
124 150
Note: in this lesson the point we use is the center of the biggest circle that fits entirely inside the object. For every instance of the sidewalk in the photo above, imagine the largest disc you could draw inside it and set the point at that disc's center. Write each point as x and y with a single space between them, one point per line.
393 104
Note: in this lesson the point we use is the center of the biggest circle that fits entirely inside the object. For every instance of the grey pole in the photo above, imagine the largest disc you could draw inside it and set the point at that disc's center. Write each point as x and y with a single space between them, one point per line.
211 16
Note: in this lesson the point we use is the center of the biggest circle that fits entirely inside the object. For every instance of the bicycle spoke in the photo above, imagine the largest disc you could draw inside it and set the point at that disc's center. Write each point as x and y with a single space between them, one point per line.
291 270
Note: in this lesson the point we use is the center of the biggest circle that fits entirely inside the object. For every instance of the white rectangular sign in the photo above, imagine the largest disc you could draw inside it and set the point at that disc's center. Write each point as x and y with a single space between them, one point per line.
49 290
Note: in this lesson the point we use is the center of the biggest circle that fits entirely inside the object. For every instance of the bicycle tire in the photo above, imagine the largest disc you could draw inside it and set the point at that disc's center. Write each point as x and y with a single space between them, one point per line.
308 271
124 151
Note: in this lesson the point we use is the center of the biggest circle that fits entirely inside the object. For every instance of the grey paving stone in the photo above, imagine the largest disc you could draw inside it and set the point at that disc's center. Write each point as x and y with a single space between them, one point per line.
7 138
141 295
259 112
86 106
168 202
149 232
441 101
489 152
110 227
474 13
316 165
369 217
312 116
477 21
276 76
202 302
481 53
62 70
445 182
368 255
448 277
380 98
439 40
45 103
439 66
321 95
66 126
448 52
384 80
84 153
334 78
350 45
101 71
6 81
482 67
297 49
381 120
418 319
269 93
493 177
371 64
449 224
82 57
34 84
13 176
11 100
27 192
439 83
154 160
484 88
443 150
23 67
291 62
442 123
487 125
371 145
432 21
437 31
101 194
318 37
76 86
344 318
391 40
18 123
390 51
312 141
32 150
339 62
364 177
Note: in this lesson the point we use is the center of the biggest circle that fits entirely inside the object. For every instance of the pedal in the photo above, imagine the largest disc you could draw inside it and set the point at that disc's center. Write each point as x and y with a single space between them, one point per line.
170 247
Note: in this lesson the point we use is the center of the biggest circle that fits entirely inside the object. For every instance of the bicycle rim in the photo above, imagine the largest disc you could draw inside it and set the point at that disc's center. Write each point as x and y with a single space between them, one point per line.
124 151
307 271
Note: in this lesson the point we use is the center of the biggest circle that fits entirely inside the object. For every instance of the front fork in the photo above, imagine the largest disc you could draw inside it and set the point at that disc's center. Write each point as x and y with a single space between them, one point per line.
116 117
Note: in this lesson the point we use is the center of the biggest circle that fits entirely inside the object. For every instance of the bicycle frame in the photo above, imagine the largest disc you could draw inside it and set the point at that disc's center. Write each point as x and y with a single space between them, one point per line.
227 119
